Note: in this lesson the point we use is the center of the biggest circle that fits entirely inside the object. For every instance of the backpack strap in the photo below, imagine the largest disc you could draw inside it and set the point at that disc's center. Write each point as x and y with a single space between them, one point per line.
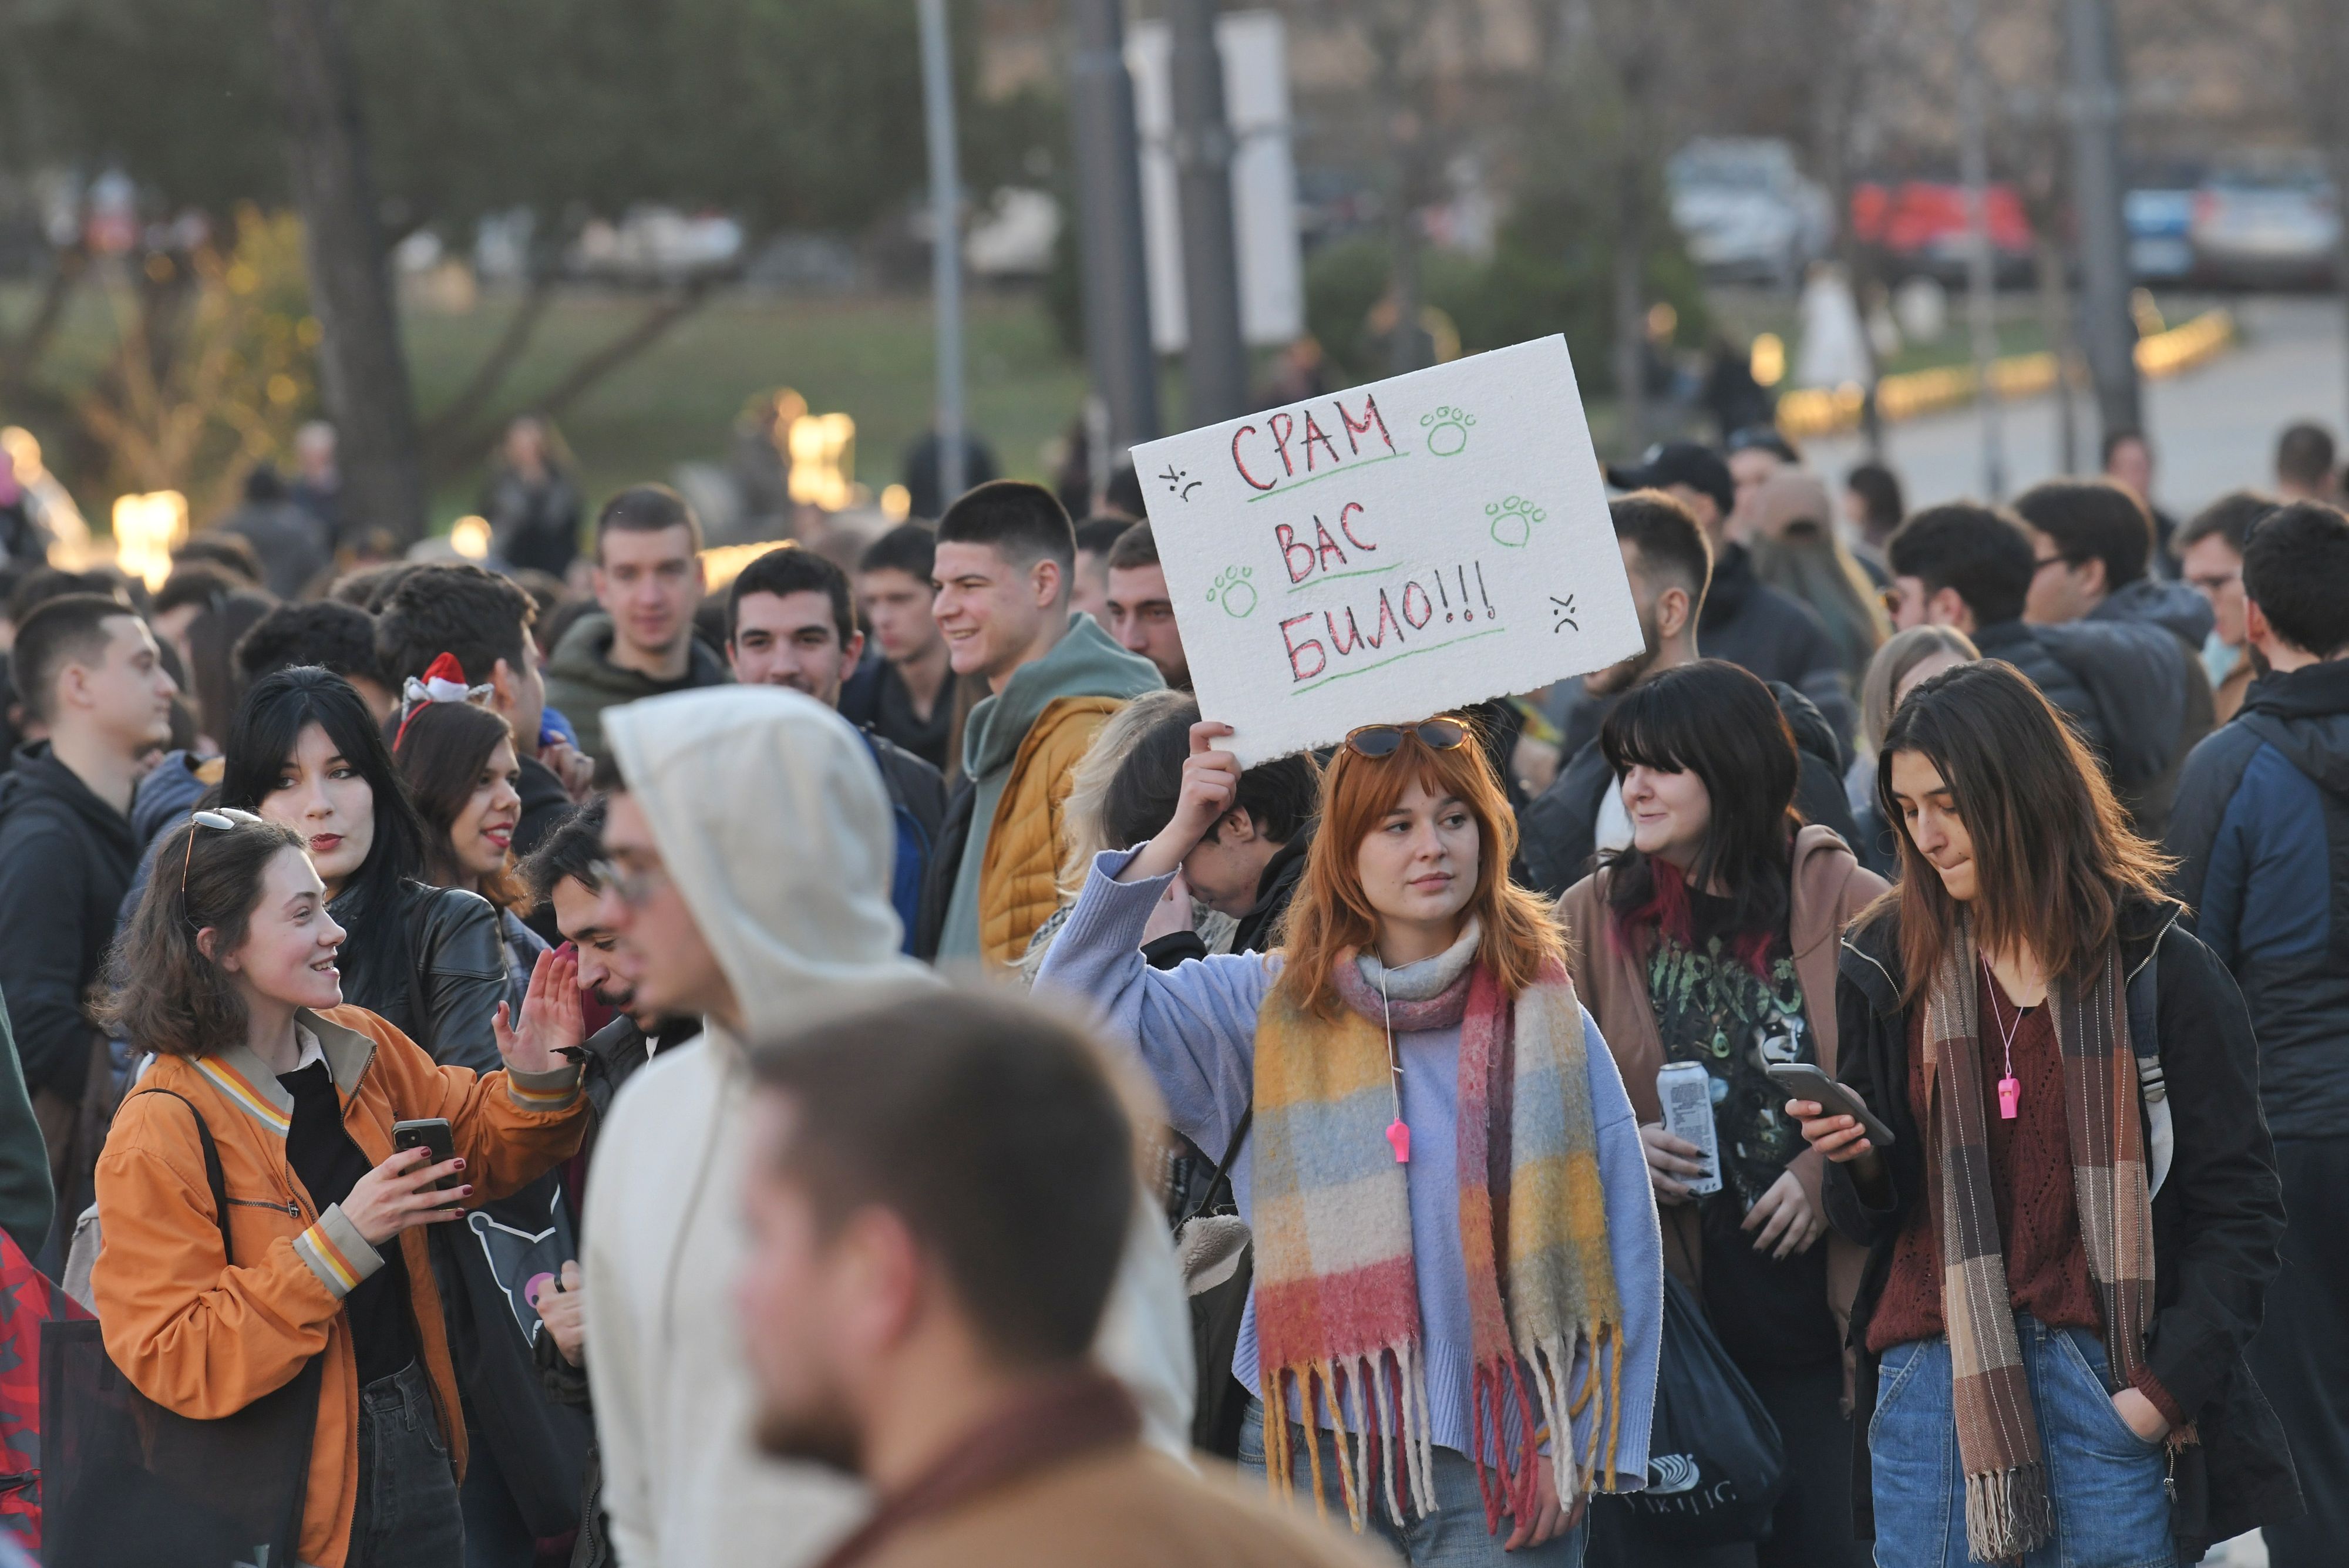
2142 1003
1224 1167
212 1175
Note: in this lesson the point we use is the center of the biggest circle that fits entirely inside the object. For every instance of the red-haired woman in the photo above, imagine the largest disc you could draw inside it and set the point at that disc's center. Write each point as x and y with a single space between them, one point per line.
2073 1226
1456 1252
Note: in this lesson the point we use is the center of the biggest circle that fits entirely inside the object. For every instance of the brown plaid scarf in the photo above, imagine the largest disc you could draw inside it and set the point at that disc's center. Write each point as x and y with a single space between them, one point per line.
2008 1510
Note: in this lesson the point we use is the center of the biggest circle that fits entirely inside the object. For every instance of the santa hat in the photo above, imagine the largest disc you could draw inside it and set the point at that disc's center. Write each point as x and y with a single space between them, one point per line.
443 682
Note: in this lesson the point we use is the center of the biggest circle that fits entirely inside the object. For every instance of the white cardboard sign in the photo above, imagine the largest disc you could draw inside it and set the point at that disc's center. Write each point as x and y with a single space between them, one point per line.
1383 554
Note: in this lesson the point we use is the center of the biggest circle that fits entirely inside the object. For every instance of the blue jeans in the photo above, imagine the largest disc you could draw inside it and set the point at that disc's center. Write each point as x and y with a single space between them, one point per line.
2111 1510
407 1515
1454 1536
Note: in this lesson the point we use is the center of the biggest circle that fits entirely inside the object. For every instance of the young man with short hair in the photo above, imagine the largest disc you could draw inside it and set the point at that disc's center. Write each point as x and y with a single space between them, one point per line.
912 698
2305 458
789 623
2091 543
2122 684
324 632
929 1333
89 670
648 581
1089 583
1668 563
2262 834
748 839
2211 562
1141 610
1005 556
482 620
1743 619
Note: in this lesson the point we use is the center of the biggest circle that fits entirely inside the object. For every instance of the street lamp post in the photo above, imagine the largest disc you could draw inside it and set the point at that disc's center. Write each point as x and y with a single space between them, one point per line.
946 250
1215 355
1982 280
1109 213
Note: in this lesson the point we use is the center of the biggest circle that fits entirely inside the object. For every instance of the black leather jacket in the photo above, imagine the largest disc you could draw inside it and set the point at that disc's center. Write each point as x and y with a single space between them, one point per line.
433 966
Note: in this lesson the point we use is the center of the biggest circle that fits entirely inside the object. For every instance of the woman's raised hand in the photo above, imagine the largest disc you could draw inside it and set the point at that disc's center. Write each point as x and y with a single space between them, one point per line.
1211 786
552 1019
393 1196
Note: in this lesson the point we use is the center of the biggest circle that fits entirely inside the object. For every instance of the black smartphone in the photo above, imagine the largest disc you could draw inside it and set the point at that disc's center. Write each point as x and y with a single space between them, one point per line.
430 1133
1804 1080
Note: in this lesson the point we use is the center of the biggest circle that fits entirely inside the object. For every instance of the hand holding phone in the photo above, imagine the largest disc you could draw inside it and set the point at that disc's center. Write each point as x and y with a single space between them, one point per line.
411 1188
1841 1127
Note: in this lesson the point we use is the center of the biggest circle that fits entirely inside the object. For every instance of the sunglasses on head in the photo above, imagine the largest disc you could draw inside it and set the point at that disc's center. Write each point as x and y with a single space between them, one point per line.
225 819
1377 741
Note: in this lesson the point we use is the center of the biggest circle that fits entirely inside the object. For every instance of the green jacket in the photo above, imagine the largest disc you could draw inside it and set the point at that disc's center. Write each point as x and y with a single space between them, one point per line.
582 680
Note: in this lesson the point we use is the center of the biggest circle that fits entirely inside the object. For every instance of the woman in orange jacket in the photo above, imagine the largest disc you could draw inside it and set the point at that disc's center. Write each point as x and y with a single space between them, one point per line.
232 983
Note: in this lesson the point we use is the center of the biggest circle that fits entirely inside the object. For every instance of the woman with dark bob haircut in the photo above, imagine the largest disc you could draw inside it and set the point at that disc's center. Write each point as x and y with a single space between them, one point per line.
2072 1223
318 1263
1711 939
305 752
460 766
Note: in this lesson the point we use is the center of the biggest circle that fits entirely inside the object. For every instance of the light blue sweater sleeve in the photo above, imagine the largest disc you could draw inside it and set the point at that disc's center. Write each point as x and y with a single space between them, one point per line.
1193 1026
1635 1240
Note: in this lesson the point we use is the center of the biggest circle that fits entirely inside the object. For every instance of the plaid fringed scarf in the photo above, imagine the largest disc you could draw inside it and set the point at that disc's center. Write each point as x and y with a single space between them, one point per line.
2008 1510
1337 1308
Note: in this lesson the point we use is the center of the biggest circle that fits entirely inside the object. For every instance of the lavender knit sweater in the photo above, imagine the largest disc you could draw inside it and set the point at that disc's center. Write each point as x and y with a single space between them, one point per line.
1195 1030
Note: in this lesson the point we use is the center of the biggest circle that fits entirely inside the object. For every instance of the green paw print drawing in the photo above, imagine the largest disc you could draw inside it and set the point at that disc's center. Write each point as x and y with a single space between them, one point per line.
1233 590
1513 520
1447 431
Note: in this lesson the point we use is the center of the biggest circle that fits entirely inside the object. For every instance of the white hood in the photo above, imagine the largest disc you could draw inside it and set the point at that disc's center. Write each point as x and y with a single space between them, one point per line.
773 818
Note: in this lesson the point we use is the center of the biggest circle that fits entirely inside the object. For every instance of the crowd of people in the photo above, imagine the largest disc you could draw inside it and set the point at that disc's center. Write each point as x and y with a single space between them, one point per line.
848 1068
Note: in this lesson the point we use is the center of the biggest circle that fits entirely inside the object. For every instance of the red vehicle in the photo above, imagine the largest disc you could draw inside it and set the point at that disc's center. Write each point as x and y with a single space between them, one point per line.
1920 226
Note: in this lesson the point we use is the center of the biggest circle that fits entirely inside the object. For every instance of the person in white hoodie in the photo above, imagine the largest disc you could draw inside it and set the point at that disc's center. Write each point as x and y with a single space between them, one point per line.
751 843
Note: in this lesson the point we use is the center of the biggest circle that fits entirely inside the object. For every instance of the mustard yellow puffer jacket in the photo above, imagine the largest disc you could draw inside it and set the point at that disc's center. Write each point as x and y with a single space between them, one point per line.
1016 891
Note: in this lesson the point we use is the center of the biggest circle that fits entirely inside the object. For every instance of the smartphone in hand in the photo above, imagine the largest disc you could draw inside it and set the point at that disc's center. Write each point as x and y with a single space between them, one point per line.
1804 1080
428 1133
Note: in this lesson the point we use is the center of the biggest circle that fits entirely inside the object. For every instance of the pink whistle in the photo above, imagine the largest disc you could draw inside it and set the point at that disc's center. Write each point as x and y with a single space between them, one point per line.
1400 1137
2009 1096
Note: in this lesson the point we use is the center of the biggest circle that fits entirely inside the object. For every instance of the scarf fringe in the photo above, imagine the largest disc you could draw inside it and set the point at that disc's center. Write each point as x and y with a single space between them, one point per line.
2008 1512
1374 1408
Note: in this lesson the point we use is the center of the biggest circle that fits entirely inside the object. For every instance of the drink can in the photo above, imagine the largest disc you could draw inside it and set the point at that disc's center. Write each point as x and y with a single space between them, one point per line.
1686 1090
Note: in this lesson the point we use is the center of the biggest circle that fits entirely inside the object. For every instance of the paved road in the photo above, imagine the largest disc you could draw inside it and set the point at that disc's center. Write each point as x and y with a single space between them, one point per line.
2213 428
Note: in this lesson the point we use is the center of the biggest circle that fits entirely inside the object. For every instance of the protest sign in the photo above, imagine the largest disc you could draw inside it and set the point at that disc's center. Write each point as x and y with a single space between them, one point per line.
1383 554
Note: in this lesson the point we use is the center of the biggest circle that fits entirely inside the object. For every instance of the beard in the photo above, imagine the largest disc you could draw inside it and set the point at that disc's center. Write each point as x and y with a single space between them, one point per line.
818 1433
619 998
1618 678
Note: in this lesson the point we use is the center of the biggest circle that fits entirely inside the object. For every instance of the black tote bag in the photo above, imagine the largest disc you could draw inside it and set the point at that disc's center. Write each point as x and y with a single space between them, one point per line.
126 1483
1716 1461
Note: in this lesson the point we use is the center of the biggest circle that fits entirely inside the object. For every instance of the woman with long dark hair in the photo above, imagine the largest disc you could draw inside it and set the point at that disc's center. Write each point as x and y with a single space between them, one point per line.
305 753
1412 1066
462 772
2072 1227
1711 939
231 980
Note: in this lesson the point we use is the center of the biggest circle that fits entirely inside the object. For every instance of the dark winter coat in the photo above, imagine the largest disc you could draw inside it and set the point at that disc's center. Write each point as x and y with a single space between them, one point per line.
2217 1221
918 803
65 859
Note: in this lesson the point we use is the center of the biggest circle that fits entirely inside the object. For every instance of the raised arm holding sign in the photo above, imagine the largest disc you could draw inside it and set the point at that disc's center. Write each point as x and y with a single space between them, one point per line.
1446 529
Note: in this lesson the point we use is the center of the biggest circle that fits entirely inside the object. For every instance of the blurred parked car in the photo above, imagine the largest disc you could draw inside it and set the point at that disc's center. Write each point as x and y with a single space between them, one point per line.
1745 209
2159 213
1920 227
2269 222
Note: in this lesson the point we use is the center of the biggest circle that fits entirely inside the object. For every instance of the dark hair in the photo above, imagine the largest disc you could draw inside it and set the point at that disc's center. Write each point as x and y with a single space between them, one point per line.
195 583
1766 437
896 1107
2053 853
2296 569
1880 488
370 587
1665 532
1022 522
170 999
1719 722
2092 519
2230 517
212 638
909 547
263 482
790 568
231 553
568 853
269 725
1282 796
1971 549
69 630
453 607
2116 438
1123 494
1137 547
443 750
646 509
1098 535
338 637
2304 455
